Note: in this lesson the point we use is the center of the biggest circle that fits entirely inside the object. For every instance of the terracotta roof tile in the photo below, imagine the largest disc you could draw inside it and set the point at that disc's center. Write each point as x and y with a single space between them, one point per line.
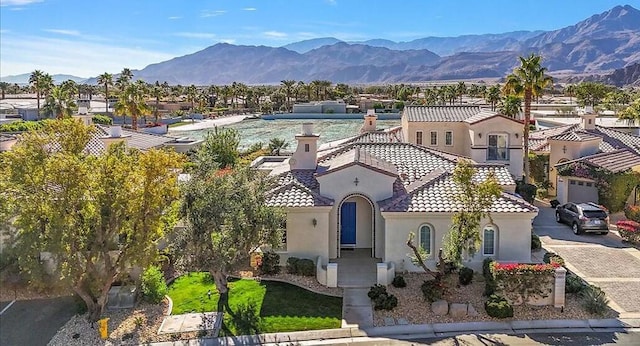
439 113
614 161
294 194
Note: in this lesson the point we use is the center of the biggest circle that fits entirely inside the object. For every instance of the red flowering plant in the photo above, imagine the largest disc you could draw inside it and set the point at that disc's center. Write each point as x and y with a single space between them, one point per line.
520 282
629 230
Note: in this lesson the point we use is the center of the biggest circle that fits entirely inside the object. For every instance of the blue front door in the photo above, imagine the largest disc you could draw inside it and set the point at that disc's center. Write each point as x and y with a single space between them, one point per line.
348 223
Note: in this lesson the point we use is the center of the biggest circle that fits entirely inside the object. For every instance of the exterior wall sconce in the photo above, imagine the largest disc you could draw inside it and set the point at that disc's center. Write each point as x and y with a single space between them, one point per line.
314 222
517 135
564 149
479 134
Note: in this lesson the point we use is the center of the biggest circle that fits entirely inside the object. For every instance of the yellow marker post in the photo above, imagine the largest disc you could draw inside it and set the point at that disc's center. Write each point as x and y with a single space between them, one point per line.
104 328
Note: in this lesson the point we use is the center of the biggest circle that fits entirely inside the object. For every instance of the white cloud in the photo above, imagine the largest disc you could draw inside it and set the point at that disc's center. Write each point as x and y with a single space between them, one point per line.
64 32
22 54
249 9
209 13
175 17
199 35
17 2
275 34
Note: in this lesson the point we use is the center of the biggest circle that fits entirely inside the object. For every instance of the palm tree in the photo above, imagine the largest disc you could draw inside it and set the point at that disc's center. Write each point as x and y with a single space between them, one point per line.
461 89
529 79
106 79
60 101
287 84
192 93
493 96
132 102
316 86
276 145
511 106
3 87
158 91
570 90
40 82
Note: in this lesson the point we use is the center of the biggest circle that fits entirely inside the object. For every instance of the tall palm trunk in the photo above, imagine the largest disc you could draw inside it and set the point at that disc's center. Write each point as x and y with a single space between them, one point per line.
525 137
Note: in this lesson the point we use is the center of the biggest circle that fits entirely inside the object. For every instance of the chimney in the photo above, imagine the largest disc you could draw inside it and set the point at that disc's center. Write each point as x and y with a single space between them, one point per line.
306 154
588 121
115 136
370 121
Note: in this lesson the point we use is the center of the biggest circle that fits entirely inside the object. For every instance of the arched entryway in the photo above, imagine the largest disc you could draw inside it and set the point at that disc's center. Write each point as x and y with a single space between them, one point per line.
356 224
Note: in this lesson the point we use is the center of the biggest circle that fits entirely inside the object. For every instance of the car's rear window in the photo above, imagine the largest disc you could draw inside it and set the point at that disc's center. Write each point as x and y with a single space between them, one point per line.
595 214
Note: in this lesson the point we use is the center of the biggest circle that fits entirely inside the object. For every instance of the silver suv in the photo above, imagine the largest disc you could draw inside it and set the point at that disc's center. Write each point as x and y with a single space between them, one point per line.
583 217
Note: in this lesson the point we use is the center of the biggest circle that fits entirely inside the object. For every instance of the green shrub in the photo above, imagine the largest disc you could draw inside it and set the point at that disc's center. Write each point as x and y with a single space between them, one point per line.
385 302
465 276
154 287
527 191
486 267
594 300
292 265
535 242
22 126
376 290
552 257
306 267
432 290
573 284
399 282
498 307
270 263
490 286
101 119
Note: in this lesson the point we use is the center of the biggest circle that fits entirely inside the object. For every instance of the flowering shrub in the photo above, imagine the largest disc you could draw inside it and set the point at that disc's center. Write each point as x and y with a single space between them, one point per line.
520 283
632 212
629 230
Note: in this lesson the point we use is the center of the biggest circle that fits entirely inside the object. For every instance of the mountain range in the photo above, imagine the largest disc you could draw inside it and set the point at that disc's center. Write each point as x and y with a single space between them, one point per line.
595 46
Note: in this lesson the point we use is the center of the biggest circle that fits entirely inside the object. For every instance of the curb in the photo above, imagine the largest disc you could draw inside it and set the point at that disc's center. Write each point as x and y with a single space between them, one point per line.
170 305
426 331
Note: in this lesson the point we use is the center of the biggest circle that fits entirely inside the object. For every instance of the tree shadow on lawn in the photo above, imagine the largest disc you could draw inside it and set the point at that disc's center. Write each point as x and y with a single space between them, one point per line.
283 307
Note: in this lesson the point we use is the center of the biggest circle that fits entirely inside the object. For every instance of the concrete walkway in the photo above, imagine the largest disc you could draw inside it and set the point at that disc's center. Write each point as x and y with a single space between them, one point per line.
356 308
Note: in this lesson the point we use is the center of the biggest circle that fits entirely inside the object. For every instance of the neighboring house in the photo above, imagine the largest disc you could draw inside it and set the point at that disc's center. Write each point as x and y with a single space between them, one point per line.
321 107
483 135
371 191
590 143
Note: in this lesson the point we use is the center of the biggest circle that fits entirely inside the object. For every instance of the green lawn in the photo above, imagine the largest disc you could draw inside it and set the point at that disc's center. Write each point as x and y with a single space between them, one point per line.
264 307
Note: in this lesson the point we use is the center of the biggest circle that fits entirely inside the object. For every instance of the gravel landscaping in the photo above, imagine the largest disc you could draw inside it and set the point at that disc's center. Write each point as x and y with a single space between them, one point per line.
413 308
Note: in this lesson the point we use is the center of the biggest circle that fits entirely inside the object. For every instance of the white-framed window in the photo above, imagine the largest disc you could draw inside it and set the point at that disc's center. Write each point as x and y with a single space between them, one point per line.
498 147
425 238
419 137
434 138
489 240
448 138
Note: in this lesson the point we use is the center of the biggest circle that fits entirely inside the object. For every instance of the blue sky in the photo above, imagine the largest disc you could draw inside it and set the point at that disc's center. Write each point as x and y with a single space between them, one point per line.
89 37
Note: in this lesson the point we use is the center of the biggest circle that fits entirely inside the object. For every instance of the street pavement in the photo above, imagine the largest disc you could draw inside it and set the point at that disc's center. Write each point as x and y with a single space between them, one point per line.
602 260
34 322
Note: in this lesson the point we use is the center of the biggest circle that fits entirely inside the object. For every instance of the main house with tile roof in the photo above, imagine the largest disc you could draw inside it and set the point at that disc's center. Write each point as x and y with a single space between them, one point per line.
482 135
372 191
589 143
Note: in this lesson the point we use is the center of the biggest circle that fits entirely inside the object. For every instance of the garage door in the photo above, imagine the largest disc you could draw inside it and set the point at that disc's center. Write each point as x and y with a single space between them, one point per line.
582 191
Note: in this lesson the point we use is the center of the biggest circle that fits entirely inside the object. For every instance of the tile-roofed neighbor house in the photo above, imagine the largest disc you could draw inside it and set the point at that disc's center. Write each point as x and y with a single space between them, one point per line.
584 142
614 161
361 194
481 134
439 113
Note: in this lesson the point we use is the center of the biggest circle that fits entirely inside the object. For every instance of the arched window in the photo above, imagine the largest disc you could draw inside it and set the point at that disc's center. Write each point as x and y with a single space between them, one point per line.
425 236
489 241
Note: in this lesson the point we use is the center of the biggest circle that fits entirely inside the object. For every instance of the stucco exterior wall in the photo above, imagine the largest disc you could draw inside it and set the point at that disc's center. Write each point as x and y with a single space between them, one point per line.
460 145
513 238
303 239
338 184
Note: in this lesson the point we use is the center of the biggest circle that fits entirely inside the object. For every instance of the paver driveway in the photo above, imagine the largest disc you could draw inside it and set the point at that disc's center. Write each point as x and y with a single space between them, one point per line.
602 260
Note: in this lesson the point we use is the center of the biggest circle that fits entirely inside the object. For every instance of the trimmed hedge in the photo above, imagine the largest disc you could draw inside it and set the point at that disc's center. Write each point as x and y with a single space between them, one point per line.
535 242
489 282
432 290
301 266
382 300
